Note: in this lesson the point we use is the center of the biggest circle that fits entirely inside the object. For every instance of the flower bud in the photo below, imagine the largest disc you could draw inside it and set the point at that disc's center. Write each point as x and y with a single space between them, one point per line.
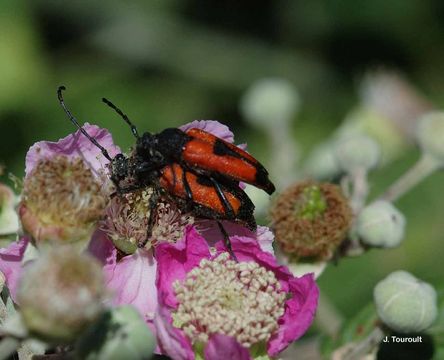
311 220
405 303
321 163
120 334
61 293
430 134
356 152
270 101
381 224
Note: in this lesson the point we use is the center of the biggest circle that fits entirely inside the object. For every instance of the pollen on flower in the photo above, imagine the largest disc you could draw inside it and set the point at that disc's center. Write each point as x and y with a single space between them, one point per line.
127 219
242 300
61 193
170 224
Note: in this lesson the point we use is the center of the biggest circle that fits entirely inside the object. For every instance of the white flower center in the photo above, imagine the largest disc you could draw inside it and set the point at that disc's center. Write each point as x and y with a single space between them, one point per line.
128 217
242 300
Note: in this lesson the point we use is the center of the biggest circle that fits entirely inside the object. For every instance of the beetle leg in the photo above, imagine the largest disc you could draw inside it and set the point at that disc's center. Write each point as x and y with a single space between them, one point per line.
227 241
227 206
188 192
152 204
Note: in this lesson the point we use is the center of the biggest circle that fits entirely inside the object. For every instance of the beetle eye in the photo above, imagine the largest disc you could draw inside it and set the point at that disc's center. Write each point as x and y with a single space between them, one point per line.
157 156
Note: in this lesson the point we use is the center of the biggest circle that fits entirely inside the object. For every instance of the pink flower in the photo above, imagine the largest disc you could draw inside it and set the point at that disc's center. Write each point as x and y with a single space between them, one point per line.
73 147
183 267
65 189
131 278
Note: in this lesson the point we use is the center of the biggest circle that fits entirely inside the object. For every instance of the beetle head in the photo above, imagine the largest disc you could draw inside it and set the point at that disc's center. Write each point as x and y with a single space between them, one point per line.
119 168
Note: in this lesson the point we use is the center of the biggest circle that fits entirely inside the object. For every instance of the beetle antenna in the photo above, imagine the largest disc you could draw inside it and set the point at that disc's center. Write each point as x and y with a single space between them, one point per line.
123 116
76 123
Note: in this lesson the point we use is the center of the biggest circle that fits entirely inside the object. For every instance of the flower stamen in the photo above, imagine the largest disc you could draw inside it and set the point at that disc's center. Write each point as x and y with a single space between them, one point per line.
242 300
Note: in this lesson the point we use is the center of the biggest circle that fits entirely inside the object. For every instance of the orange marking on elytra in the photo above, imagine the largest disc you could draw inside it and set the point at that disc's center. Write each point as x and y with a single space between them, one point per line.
172 180
200 154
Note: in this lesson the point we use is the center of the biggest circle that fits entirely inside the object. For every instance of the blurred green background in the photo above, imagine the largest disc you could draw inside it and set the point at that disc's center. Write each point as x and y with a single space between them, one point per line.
167 62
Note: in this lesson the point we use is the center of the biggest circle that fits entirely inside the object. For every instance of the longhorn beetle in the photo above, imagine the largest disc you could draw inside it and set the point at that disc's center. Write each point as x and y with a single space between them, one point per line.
194 168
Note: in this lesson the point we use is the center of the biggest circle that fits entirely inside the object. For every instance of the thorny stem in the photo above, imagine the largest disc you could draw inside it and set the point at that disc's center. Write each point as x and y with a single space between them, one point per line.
355 187
425 166
284 156
365 346
360 190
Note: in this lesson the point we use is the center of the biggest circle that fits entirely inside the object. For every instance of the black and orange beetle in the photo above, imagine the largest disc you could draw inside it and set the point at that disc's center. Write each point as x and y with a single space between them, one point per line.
197 170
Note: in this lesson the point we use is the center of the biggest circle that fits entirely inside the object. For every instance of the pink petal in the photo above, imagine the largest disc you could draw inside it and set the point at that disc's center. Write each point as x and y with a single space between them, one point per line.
212 126
11 264
75 145
265 238
212 233
299 314
133 282
176 260
132 279
171 340
222 347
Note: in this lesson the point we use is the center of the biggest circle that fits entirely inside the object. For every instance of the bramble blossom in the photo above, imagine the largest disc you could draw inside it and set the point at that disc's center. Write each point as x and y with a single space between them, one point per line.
202 293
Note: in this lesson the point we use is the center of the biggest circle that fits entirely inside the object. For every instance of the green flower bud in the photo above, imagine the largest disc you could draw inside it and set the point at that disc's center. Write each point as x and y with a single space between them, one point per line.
321 163
356 152
430 134
121 334
61 293
405 303
270 101
381 224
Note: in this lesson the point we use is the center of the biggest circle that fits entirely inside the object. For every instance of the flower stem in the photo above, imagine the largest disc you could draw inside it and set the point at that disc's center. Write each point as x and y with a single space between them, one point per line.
425 166
365 346
360 190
